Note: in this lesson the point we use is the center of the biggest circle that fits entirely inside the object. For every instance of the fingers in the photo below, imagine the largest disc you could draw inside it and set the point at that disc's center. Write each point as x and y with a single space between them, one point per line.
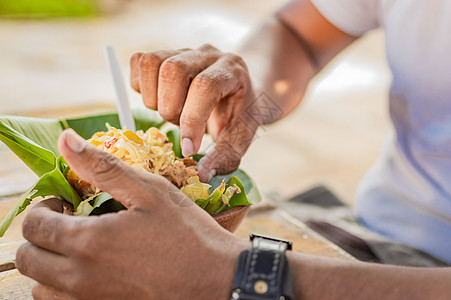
190 87
176 74
133 188
147 66
231 145
46 267
165 77
45 292
226 80
148 69
134 71
47 228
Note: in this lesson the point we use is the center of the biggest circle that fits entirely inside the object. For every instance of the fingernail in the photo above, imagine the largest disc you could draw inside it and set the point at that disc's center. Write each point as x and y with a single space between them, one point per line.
211 174
75 142
187 147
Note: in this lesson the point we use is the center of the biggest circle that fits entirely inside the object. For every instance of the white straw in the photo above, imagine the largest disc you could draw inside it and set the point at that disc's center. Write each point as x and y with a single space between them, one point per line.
125 115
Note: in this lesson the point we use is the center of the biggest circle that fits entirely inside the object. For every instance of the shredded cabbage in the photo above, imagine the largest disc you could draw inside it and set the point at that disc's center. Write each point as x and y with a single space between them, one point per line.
147 151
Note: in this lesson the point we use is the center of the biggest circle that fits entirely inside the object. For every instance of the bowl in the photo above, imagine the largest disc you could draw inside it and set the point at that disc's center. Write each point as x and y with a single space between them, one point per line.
229 220
232 218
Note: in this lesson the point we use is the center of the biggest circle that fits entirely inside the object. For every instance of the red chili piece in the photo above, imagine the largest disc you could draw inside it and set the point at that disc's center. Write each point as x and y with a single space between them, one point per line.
110 142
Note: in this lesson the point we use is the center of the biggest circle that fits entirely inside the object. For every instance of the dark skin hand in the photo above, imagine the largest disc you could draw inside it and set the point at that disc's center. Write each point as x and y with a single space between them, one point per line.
164 246
205 89
162 241
200 89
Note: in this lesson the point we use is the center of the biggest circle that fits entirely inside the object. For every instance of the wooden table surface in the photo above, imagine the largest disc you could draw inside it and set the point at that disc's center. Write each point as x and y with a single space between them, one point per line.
15 178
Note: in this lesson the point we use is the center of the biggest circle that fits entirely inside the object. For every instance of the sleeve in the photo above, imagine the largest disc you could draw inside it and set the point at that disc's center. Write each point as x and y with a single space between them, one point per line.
354 17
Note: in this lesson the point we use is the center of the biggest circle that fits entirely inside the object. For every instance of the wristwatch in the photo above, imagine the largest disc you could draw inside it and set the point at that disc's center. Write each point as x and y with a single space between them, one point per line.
263 273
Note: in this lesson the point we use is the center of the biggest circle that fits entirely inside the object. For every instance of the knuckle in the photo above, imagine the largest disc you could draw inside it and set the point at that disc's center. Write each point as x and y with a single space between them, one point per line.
85 244
237 67
21 255
28 225
173 67
134 82
35 292
149 60
19 258
192 121
227 161
169 115
207 48
205 82
150 103
106 167
235 59
135 58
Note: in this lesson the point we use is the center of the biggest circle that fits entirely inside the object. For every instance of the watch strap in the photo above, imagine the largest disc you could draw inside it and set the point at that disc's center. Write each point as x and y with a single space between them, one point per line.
263 272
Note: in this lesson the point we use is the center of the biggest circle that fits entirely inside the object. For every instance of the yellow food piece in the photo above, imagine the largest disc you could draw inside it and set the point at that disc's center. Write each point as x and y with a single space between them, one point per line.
133 137
95 143
196 189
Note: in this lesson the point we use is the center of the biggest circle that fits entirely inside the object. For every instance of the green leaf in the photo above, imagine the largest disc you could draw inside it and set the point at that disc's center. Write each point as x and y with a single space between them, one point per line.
221 200
51 183
100 199
238 199
249 186
174 137
43 132
48 8
108 206
146 118
211 203
20 206
34 140
84 208
39 159
87 126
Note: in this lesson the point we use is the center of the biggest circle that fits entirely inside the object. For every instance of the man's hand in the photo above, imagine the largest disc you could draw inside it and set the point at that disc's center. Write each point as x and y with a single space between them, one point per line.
201 89
163 247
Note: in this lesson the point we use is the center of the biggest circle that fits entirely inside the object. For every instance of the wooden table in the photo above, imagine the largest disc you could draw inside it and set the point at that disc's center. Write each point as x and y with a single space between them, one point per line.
16 178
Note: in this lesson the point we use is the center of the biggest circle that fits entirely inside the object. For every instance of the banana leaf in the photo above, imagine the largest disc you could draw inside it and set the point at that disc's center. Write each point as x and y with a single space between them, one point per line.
174 137
37 152
51 183
34 141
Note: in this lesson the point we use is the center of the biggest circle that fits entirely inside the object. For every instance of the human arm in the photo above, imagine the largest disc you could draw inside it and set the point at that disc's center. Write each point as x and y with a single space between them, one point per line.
166 247
323 278
206 89
291 48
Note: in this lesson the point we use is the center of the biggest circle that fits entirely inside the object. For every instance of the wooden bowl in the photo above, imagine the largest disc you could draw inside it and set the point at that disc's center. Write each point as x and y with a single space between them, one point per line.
231 219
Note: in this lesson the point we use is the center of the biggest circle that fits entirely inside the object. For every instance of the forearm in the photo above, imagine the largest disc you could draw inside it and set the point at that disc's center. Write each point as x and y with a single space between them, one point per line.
289 50
320 278
279 66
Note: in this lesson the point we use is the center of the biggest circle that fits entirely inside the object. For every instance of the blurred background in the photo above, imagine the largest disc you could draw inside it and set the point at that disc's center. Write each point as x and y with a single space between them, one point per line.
52 65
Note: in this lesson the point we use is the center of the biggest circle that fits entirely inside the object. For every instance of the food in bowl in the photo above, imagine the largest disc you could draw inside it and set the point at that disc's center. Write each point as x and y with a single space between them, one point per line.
151 151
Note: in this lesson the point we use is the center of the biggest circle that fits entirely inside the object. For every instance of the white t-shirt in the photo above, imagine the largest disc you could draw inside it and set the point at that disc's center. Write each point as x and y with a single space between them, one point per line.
406 195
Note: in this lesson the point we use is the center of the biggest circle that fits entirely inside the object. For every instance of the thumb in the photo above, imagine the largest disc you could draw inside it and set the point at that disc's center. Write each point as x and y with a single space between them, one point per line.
231 145
106 172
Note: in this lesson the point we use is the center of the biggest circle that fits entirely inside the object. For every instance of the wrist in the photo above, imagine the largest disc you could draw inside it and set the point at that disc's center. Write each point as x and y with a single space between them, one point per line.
263 272
225 269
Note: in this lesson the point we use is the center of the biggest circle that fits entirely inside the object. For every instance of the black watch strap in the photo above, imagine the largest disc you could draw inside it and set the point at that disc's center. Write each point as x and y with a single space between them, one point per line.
263 272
